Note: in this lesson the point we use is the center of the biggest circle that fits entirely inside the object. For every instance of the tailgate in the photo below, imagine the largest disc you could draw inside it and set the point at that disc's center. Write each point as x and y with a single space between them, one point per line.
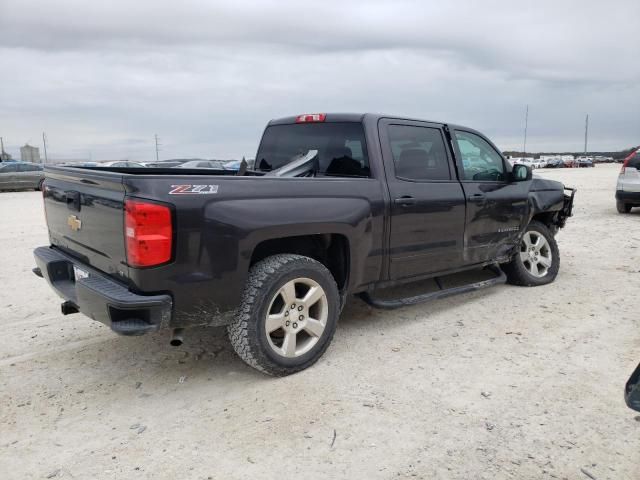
85 215
630 179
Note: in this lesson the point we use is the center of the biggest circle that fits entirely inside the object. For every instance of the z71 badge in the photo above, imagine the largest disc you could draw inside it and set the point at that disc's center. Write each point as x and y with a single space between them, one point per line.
193 189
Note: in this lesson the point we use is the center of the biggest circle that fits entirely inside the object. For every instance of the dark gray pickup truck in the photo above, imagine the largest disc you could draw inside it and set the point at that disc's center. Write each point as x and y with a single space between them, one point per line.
337 204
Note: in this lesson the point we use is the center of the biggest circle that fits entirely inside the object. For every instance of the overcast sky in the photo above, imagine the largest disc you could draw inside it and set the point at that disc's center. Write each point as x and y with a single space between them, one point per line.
101 78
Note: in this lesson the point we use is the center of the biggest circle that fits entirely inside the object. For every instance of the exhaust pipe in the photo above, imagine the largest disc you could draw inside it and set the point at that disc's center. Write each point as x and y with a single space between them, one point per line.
176 337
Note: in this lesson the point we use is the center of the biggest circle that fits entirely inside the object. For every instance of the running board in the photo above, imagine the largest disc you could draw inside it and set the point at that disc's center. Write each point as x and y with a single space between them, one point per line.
442 293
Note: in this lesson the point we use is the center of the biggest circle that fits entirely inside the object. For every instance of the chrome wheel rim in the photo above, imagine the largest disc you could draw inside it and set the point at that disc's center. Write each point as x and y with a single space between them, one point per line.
297 317
535 254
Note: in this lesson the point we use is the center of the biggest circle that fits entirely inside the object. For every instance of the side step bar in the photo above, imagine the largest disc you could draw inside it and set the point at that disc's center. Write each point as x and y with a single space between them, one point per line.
442 293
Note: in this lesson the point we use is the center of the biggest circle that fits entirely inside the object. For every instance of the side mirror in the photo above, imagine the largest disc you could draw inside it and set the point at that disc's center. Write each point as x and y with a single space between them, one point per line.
632 390
520 173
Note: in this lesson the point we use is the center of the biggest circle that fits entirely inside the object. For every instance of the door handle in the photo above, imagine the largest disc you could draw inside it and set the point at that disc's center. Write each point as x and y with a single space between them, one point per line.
405 201
476 197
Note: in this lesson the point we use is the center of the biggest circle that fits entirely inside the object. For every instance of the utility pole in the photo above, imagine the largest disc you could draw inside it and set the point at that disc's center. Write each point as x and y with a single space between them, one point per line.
44 143
2 147
526 124
157 148
586 133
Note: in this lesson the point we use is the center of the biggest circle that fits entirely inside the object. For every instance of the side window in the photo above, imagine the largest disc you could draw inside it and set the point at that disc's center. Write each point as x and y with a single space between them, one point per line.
23 168
418 153
480 161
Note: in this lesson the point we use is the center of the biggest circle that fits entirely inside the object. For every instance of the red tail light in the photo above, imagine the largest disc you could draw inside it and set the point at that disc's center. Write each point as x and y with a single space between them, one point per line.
148 233
625 164
311 117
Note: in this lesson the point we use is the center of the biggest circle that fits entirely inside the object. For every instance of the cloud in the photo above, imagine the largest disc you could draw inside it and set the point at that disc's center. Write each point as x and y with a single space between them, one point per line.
104 77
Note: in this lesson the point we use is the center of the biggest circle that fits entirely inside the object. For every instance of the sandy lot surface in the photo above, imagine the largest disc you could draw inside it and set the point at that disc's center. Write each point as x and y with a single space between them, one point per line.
503 383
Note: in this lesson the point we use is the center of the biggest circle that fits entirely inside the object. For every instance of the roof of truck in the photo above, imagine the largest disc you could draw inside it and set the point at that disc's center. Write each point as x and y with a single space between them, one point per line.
342 117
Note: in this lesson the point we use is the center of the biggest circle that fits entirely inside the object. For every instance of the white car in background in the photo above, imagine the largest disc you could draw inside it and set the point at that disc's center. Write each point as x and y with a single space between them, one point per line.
628 188
122 164
539 163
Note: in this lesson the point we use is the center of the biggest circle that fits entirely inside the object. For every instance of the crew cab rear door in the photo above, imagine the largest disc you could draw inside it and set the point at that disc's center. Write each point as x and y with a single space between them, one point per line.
427 202
496 207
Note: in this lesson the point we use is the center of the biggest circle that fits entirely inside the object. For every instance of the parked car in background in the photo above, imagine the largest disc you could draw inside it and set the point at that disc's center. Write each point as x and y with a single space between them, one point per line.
555 163
628 188
122 164
79 164
584 162
529 162
232 164
215 164
21 175
538 163
165 163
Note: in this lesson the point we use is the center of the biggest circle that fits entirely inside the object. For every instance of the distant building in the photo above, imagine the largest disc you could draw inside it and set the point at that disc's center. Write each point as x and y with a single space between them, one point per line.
30 154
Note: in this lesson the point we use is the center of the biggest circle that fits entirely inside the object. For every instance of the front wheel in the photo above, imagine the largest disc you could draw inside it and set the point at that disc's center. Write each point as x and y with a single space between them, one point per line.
537 260
288 314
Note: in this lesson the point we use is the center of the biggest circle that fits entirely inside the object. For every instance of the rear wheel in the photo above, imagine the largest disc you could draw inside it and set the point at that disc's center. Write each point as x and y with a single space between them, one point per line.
623 207
288 314
40 185
538 259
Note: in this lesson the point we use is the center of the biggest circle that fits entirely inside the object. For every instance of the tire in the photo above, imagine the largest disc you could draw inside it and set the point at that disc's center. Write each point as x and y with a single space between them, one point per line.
623 207
538 266
40 185
299 342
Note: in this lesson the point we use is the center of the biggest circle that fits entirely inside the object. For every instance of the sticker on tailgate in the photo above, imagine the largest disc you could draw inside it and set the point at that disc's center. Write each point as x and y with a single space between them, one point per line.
193 189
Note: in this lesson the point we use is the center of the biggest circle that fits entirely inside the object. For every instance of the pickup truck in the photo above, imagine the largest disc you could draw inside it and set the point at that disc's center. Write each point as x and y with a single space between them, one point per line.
336 205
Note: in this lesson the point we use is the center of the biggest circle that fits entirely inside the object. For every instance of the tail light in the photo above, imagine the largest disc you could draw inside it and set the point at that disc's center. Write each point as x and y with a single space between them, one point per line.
311 117
625 164
148 233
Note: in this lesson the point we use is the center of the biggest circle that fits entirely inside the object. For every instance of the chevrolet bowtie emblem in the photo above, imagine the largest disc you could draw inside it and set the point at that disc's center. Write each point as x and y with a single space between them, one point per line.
74 222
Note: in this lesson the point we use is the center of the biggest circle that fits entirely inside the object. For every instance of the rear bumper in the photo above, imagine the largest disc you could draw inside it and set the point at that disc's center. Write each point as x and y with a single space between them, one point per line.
100 297
631 197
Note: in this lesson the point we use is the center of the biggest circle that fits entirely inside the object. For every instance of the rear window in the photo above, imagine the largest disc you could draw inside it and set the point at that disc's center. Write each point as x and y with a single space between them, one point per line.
341 146
418 153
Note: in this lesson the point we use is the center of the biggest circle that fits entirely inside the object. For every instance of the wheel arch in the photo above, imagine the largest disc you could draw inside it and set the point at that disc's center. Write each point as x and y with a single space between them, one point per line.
330 249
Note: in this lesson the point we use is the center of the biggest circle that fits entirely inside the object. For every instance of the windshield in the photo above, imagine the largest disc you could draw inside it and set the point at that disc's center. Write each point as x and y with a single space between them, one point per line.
341 147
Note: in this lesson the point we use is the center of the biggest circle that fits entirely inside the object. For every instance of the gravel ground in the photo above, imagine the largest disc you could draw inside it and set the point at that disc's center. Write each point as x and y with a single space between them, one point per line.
507 382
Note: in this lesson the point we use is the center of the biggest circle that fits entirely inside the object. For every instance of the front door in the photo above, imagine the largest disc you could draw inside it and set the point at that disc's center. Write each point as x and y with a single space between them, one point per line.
427 202
496 207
